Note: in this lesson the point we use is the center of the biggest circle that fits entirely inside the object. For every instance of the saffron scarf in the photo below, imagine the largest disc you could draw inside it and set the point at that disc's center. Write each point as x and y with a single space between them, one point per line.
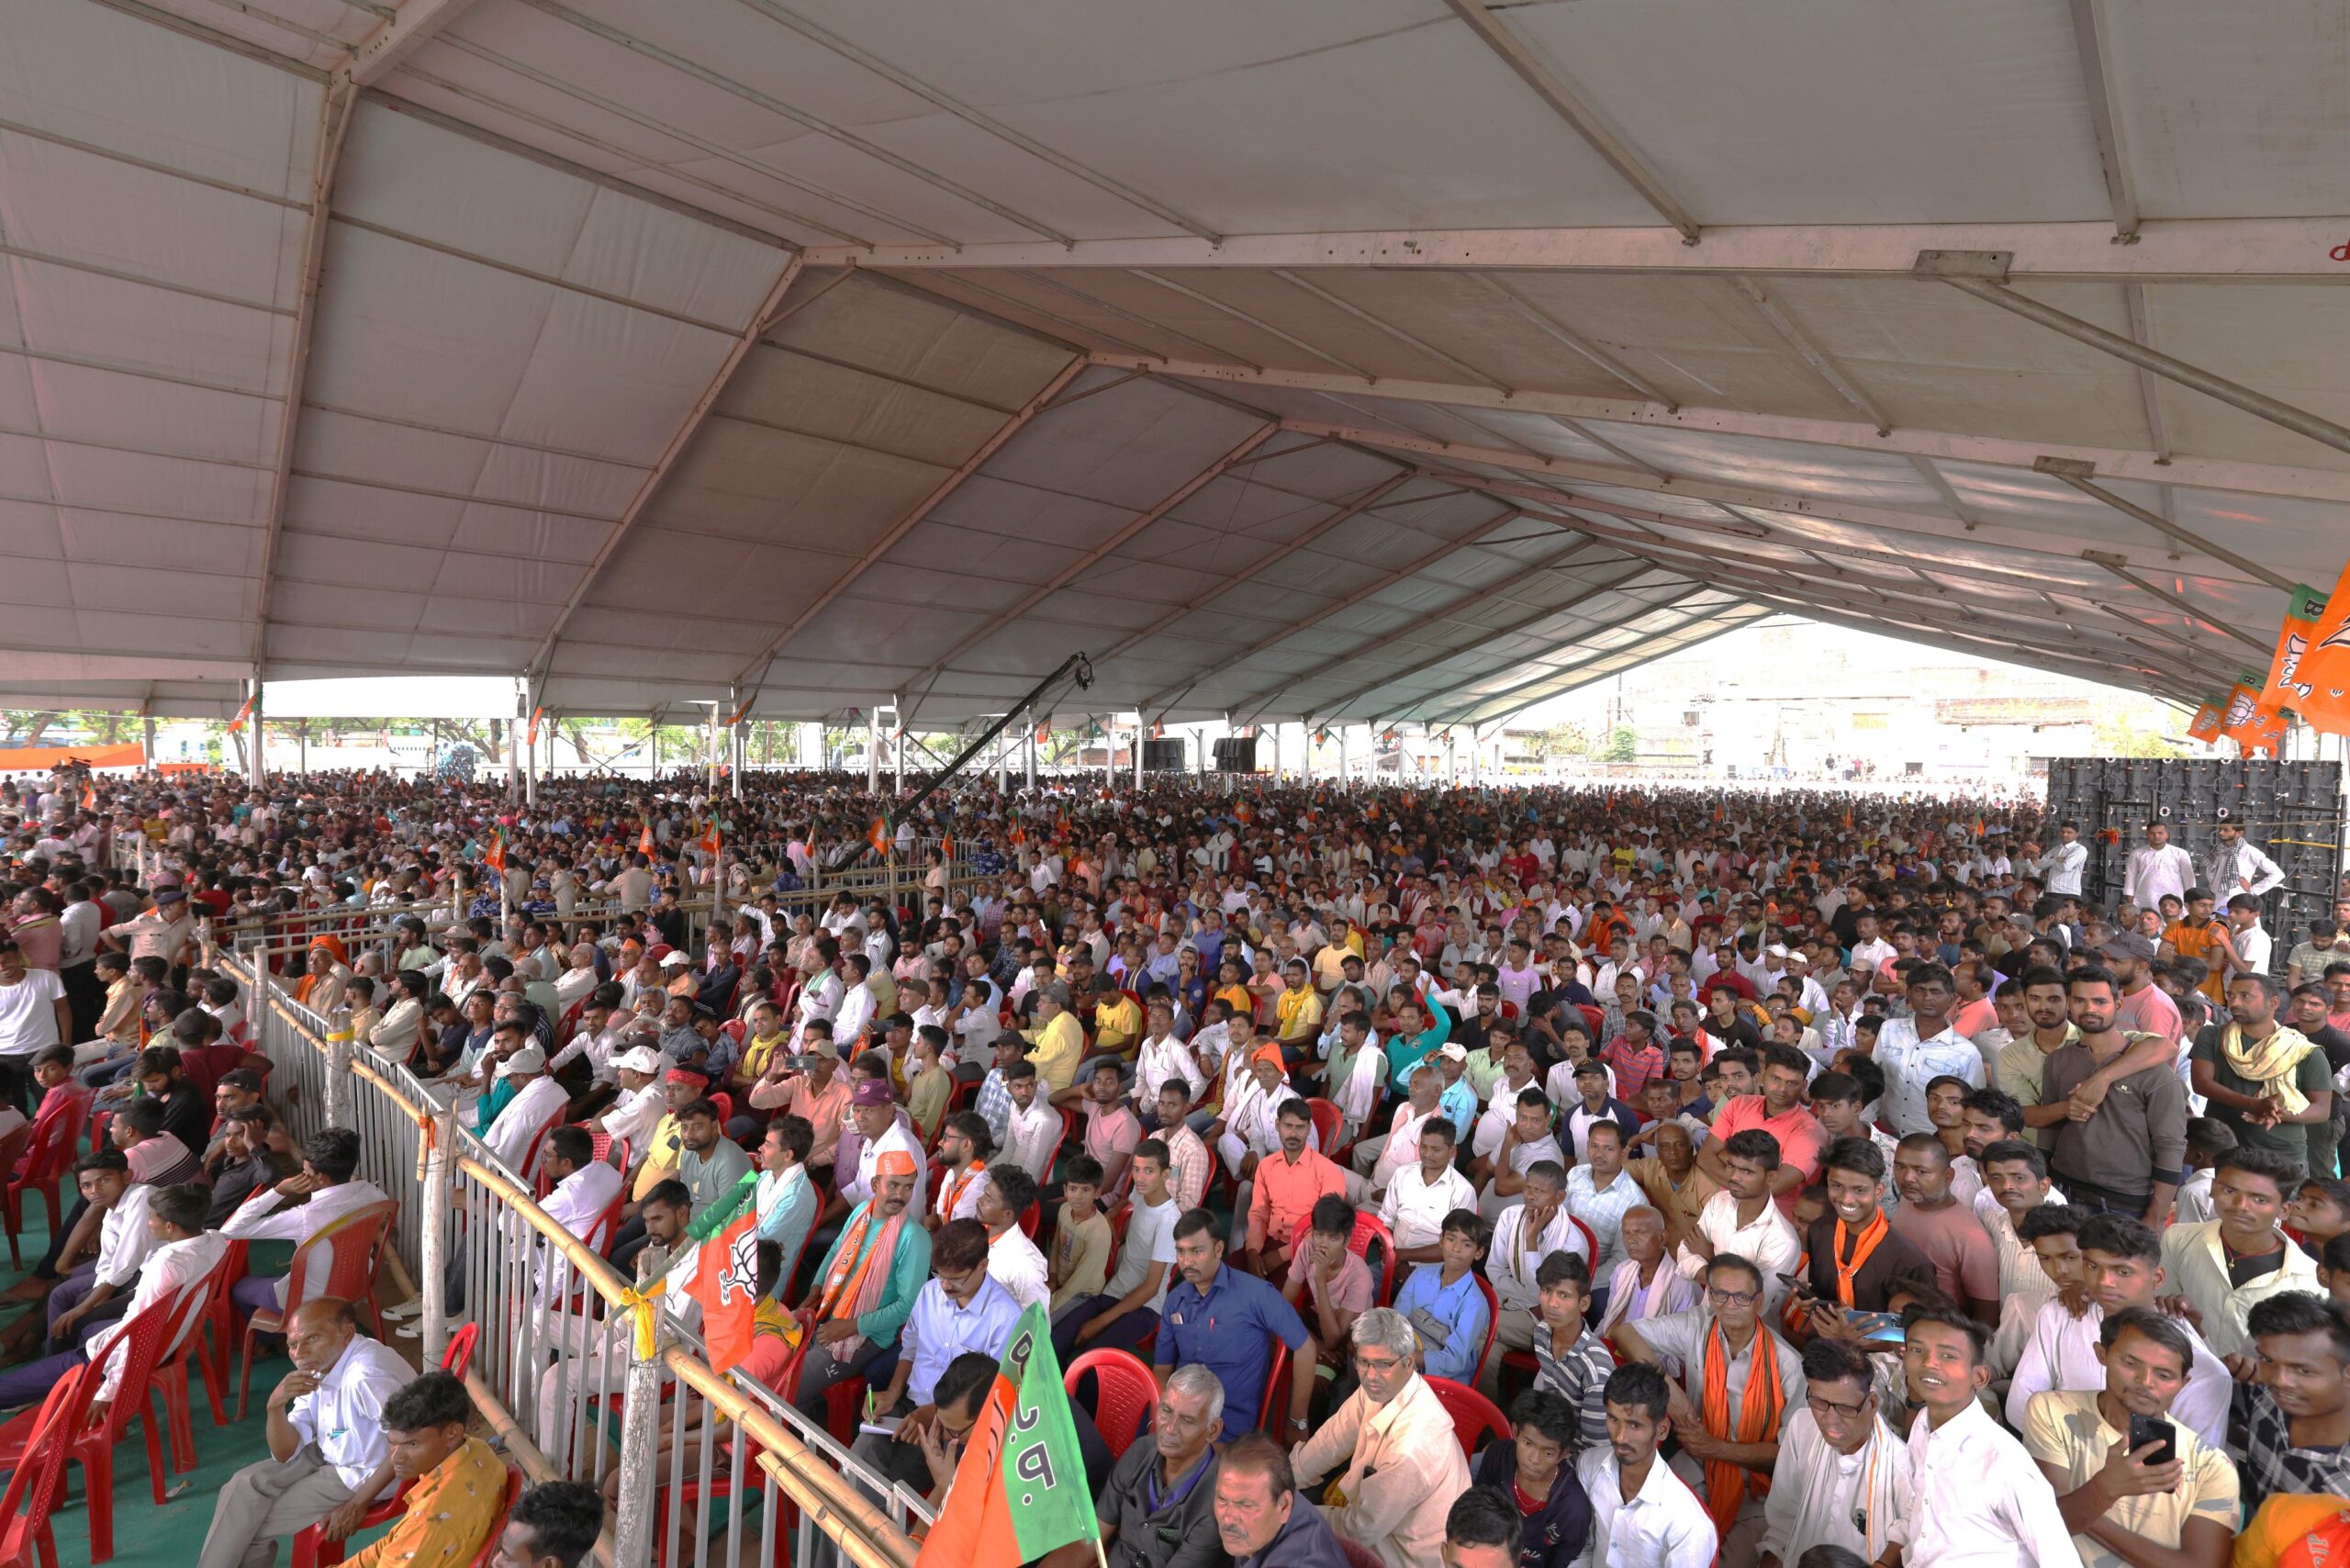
1871 1235
853 1284
1759 1409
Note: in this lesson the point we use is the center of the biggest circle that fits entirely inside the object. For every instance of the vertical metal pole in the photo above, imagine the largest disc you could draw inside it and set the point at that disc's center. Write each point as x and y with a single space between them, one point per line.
514 745
1031 727
1140 731
256 768
302 749
1109 751
709 754
738 740
873 753
432 1246
1342 754
898 752
639 1432
147 743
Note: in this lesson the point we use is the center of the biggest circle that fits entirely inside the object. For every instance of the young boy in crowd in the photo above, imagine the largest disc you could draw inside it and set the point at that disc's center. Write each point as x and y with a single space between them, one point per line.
1080 1260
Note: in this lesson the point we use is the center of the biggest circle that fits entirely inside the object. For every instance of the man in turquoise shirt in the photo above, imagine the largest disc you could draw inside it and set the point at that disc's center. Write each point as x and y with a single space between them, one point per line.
1414 1039
867 1285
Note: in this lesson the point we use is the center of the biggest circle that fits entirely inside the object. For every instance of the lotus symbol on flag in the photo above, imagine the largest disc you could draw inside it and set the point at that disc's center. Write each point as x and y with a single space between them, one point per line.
2341 638
741 1270
2239 710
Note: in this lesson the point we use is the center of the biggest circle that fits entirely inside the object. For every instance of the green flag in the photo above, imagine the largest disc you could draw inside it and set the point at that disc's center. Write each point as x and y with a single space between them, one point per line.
1020 1490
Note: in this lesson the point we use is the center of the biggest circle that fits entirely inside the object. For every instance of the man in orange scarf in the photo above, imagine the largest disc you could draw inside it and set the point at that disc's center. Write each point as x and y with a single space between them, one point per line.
1742 1383
868 1285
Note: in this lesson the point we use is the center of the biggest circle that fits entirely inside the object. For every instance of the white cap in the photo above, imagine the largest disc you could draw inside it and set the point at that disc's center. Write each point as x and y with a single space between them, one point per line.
529 1059
643 1059
676 959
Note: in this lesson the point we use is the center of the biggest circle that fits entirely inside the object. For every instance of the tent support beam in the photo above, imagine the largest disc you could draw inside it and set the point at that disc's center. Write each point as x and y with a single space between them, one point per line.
2150 385
1548 675
1280 552
1813 355
2077 475
680 439
2104 118
1019 422
1099 552
2188 606
1496 34
2209 474
335 109
1329 712
1975 276
1507 515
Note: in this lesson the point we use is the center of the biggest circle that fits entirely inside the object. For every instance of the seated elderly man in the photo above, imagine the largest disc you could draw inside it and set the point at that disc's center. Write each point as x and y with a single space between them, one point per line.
330 1451
1403 1464
1261 1519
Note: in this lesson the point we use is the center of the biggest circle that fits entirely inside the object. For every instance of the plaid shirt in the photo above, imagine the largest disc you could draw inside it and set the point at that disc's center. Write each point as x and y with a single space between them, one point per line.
2258 1430
1580 1377
1187 1175
1634 1065
994 1105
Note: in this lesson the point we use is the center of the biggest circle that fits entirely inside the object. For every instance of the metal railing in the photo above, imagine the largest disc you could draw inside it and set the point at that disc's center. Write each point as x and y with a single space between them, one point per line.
567 1347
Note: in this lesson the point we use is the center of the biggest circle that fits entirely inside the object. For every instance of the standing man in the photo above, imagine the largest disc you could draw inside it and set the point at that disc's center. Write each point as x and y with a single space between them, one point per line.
2265 1082
2126 1155
2235 866
2158 868
2062 867
1914 1051
2225 1267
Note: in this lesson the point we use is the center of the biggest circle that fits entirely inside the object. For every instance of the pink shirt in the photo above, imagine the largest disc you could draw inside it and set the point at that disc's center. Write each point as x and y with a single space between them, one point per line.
2150 1011
1802 1141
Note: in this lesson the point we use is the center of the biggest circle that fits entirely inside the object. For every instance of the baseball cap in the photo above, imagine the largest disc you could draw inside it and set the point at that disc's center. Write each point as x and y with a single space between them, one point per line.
529 1059
872 1092
643 1059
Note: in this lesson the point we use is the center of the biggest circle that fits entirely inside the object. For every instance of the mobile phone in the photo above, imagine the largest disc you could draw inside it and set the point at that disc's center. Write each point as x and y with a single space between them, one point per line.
1796 1284
2144 1430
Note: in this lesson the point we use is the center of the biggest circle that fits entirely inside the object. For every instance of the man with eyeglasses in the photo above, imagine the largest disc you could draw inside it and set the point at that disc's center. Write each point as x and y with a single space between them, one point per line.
1843 1474
1403 1460
1742 1384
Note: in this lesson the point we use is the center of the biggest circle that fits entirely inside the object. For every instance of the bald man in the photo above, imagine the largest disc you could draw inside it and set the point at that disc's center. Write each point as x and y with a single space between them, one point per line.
329 1454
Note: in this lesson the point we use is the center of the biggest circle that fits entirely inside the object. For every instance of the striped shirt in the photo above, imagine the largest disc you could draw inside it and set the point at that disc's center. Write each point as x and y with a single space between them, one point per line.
1579 1377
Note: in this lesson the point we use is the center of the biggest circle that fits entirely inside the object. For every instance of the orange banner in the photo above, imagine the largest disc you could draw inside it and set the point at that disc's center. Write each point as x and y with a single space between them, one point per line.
18 760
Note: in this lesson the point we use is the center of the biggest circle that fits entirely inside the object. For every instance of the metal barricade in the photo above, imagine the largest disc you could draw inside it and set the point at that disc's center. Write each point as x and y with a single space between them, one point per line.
574 1371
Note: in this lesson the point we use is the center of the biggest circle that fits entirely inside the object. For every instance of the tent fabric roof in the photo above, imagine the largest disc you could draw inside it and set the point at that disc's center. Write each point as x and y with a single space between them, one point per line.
1339 359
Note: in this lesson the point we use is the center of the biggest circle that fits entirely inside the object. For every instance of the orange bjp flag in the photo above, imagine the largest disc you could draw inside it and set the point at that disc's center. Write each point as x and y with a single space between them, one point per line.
644 840
2322 681
2204 726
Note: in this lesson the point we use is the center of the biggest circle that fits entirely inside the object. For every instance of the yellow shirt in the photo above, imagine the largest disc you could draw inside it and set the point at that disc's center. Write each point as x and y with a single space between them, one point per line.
450 1514
1058 1046
1116 1023
2065 1432
1299 1013
660 1157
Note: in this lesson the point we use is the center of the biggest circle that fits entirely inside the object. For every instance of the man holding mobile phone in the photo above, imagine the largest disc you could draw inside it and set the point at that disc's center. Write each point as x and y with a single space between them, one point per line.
2136 1488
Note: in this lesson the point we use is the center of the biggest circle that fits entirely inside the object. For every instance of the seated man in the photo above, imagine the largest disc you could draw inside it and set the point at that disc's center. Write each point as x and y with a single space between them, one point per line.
1444 1304
253 1151
1854 1253
866 1287
960 1310
1743 1220
1975 1495
553 1525
180 1260
1159 1507
1402 1462
1527 1487
456 1484
1261 1520
1842 1478
1742 1384
328 1191
330 1454
93 1293
1225 1320
1571 1362
2117 1500
1949 1233
1642 1515
1530 1232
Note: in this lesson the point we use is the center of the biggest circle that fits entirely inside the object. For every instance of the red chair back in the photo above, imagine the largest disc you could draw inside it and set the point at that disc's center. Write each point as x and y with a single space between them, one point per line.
460 1353
37 1485
1493 1316
489 1553
725 1103
1474 1418
1126 1398
353 1242
53 1136
1033 1217
1326 1117
1274 1418
142 1341
1369 1229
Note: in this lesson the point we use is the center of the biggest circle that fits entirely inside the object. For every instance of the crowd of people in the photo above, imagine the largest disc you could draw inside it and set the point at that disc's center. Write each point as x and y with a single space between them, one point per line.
1798 1179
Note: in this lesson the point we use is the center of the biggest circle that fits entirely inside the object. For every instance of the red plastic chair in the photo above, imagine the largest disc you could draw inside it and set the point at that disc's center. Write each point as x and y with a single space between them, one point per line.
459 1357
1326 1117
1368 1230
1032 1217
1126 1397
1474 1418
1275 1418
355 1241
92 1446
45 1164
185 1341
1493 1316
38 1484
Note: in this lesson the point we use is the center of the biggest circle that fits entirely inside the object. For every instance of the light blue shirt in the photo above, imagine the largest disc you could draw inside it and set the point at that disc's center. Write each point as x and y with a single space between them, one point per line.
1456 1311
938 1330
1460 1102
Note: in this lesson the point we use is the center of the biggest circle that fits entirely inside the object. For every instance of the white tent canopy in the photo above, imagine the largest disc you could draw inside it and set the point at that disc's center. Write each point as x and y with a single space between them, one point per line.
1361 360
